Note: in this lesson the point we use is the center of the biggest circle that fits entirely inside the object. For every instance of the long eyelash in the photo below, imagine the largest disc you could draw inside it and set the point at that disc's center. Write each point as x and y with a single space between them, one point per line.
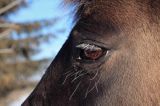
88 47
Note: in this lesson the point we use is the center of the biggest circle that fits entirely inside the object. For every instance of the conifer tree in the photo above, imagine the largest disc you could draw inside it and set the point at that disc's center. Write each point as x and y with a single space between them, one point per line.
16 52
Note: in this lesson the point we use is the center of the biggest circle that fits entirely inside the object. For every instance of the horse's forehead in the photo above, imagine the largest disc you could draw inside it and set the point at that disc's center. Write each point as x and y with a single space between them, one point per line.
115 8
120 10
107 13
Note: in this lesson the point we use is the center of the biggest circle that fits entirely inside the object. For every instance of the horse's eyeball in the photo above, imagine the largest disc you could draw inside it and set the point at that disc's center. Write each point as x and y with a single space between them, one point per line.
90 52
93 55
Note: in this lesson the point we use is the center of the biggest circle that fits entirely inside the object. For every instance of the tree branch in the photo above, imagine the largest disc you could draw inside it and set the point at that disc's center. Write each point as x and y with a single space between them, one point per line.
8 25
10 6
5 33
6 51
8 28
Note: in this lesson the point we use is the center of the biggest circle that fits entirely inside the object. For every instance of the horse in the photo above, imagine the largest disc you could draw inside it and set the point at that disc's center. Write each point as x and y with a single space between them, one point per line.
111 57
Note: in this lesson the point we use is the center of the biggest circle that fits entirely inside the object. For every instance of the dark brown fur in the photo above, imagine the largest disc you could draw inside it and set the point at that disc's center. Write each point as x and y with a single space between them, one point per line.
130 76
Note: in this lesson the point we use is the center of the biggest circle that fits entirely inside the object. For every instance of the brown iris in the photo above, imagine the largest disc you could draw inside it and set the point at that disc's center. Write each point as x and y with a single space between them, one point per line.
93 55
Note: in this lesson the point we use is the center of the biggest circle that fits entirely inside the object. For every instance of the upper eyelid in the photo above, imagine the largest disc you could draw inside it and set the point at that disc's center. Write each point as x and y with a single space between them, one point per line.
94 42
87 46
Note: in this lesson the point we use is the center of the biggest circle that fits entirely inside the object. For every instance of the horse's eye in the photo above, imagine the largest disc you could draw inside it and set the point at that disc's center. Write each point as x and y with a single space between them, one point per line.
90 52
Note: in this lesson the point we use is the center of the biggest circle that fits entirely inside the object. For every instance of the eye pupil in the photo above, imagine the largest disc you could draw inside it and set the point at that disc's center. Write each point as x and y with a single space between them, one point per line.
93 55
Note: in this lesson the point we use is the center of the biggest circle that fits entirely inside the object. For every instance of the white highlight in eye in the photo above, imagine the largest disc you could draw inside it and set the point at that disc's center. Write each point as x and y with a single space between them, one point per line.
88 47
79 58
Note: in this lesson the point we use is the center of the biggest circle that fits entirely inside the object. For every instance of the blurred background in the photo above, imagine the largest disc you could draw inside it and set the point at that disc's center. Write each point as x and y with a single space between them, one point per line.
31 34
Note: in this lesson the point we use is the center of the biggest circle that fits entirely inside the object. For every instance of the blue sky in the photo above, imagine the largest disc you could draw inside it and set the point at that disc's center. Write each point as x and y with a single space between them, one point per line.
47 9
